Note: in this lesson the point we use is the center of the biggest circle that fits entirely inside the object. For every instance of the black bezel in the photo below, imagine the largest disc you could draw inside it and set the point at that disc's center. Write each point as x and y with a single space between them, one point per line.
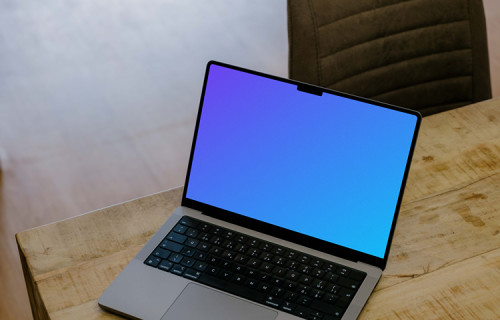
286 234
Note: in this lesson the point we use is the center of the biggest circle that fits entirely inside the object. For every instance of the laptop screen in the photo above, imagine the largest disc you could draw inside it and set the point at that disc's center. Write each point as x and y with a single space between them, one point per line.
326 166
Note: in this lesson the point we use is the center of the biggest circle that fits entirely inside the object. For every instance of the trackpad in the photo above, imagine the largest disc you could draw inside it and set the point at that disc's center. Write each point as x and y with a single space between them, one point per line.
198 302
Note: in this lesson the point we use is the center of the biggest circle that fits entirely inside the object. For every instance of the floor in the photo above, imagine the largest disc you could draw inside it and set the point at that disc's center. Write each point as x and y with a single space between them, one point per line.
104 139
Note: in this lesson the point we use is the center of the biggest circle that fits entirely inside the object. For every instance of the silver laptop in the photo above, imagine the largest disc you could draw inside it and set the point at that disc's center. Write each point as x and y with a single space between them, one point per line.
290 203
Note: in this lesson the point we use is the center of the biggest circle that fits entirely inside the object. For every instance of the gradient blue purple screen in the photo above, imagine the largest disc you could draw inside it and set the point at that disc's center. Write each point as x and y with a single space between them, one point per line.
324 166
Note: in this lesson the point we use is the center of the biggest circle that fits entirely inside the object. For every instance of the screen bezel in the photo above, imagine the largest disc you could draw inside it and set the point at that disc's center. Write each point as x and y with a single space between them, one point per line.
286 234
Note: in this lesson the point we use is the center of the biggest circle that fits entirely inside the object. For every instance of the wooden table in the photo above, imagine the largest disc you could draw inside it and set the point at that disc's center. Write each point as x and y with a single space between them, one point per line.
445 257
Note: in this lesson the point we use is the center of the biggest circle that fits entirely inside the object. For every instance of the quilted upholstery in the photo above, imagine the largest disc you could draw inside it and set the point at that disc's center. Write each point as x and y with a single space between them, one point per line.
428 55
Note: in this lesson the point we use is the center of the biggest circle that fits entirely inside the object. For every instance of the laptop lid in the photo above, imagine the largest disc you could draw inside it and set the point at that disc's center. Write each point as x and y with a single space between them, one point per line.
310 165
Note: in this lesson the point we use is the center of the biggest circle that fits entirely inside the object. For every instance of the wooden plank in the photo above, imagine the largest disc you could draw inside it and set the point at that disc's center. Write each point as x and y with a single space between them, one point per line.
96 234
112 234
455 148
444 229
462 291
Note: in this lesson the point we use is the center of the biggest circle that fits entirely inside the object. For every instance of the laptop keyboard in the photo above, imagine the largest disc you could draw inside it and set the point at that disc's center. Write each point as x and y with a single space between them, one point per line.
257 270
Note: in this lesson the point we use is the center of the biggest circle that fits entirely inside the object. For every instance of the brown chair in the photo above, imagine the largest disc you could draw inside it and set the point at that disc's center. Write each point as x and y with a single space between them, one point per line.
427 55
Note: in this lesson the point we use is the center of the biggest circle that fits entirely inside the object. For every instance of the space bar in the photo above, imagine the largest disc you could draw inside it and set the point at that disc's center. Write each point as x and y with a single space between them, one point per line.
230 287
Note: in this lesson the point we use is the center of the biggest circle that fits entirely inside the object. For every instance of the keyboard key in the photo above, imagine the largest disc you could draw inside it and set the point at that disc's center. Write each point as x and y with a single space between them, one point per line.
188 222
305 268
153 261
192 242
238 279
273 301
178 269
332 288
254 263
342 271
161 253
216 240
228 234
279 261
304 258
318 273
331 277
205 237
253 242
192 274
264 287
266 246
290 254
201 266
239 268
301 311
252 273
213 271
200 256
319 284
251 283
329 266
305 279
293 275
193 233
175 258
278 250
346 293
254 253
205 227
203 246
343 302
330 298
179 238
315 315
291 296
277 292
277 282
229 244
165 265
216 251
292 265
303 290
188 262
266 256
317 263
348 283
288 306
290 285
172 246
305 301
216 231
317 294
240 258
187 251
241 238
180 228
357 275
267 267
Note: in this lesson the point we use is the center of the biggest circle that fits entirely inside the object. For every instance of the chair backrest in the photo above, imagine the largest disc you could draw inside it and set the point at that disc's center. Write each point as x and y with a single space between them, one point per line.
427 55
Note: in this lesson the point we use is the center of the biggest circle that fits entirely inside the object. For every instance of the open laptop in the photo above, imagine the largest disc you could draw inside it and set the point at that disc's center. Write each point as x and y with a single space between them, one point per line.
290 203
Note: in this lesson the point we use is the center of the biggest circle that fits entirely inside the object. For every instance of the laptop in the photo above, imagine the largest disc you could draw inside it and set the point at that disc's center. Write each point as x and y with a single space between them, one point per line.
289 207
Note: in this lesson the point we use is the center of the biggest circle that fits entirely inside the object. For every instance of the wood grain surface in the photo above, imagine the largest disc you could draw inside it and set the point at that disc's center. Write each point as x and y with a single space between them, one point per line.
444 262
